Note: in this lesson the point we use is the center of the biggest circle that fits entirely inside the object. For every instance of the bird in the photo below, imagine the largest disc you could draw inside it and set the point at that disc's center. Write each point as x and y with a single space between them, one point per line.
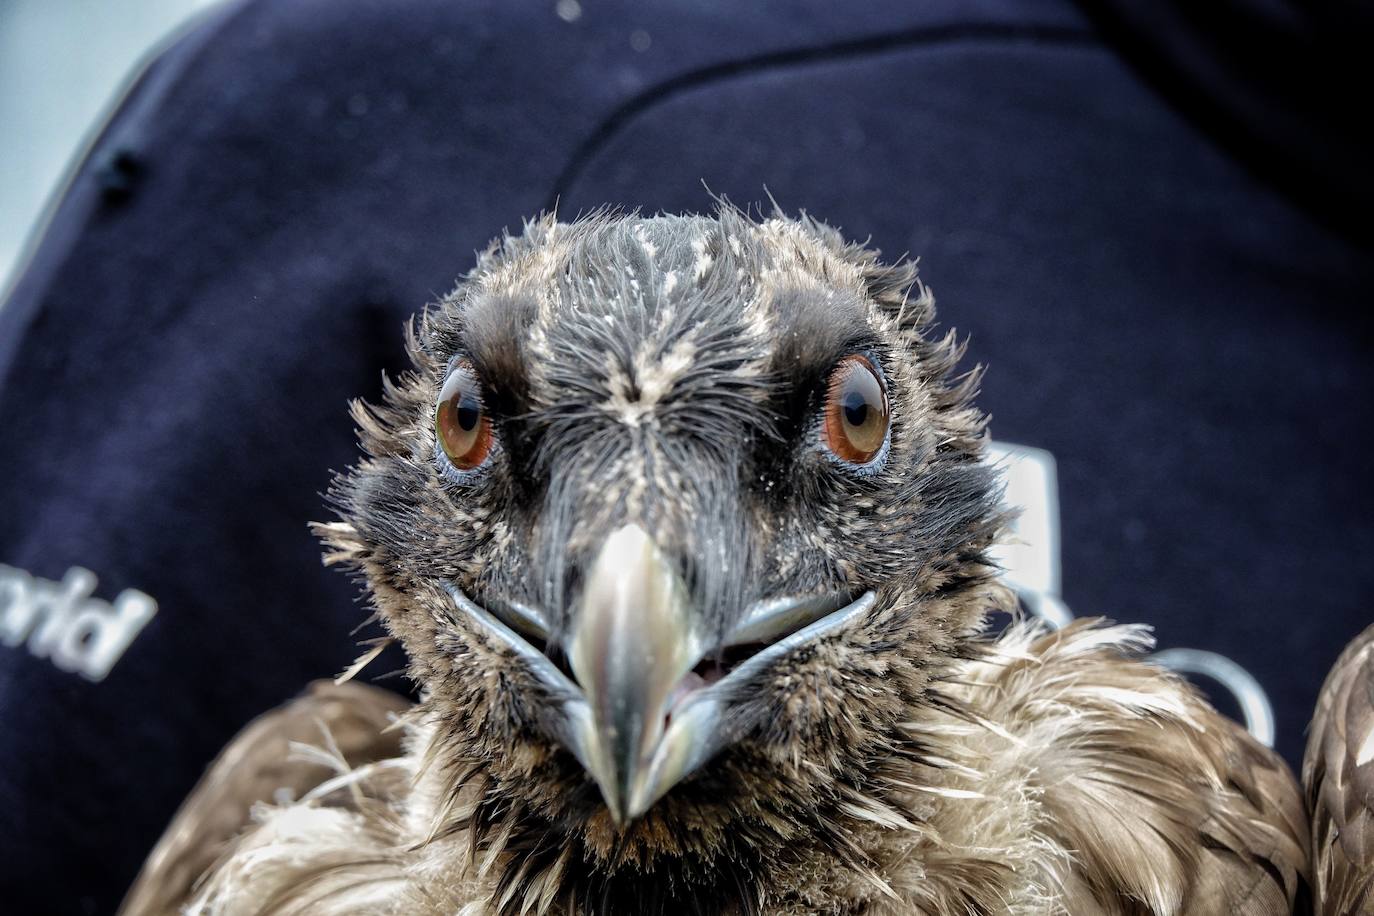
1338 777
683 523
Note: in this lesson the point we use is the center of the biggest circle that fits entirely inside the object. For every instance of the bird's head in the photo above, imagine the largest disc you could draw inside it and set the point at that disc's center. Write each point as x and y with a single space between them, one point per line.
676 517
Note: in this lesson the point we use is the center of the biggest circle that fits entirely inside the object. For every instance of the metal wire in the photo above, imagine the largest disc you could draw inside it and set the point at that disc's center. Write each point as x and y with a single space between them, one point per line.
1250 696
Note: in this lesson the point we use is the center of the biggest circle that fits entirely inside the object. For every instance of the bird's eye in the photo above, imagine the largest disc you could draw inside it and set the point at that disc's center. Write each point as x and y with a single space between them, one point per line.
854 425
460 422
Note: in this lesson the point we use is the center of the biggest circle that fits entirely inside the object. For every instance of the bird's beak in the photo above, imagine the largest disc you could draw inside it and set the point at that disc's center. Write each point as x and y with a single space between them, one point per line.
637 717
635 637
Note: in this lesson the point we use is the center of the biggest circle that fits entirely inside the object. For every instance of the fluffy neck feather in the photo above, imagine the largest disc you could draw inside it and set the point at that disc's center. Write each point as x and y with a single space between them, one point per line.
1052 774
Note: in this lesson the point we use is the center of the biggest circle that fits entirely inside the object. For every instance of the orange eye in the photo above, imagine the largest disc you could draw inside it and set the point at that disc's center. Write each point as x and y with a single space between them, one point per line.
460 422
854 425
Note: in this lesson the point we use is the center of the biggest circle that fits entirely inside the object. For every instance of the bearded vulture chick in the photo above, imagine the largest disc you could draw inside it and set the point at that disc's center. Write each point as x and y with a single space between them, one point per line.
684 524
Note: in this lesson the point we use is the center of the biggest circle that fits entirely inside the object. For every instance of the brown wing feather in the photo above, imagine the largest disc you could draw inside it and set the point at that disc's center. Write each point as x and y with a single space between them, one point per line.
1338 774
254 767
1254 853
1217 818
1160 805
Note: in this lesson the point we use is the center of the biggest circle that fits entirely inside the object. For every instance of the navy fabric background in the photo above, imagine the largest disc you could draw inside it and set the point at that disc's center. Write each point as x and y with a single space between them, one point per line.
1180 314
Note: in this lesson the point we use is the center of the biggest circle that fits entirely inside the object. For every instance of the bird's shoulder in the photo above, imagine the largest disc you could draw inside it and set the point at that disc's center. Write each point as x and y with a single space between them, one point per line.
1105 784
1338 775
282 755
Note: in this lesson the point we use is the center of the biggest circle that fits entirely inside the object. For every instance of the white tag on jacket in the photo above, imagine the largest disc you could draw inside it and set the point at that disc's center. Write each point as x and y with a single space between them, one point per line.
1029 552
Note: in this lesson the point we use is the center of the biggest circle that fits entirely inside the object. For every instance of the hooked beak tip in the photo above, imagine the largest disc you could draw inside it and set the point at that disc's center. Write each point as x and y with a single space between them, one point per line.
634 638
